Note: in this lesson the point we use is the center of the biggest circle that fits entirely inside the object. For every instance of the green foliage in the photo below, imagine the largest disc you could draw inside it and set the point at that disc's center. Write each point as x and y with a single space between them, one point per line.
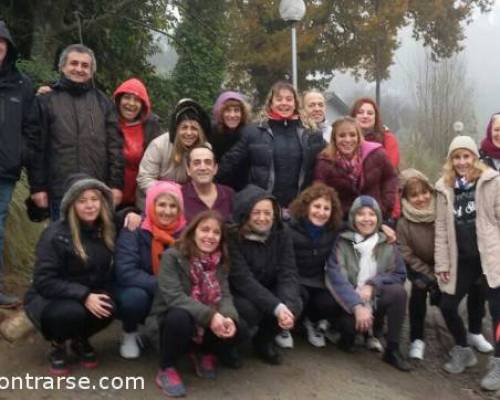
40 73
199 72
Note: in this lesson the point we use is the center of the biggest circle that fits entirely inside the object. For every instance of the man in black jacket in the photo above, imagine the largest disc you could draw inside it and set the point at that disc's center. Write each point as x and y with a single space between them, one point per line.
18 127
80 132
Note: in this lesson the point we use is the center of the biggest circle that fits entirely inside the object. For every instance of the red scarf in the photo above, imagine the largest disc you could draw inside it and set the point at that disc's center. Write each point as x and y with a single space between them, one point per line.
353 167
203 272
278 117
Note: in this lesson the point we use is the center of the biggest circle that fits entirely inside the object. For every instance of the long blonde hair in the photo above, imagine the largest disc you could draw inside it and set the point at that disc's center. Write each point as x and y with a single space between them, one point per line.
449 174
104 222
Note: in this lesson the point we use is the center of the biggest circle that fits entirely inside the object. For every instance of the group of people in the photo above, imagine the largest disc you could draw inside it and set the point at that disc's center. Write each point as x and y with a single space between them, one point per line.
226 230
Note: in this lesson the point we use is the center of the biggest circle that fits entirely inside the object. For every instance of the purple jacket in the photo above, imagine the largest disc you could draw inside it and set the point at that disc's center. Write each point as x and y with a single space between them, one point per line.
193 205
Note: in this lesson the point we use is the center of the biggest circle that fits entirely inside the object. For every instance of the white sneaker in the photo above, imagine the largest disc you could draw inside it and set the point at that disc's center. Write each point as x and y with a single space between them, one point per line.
284 339
417 349
479 343
129 347
315 336
373 344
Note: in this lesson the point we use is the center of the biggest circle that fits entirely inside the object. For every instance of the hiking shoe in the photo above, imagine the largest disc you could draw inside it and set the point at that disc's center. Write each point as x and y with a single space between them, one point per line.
204 365
373 344
85 353
9 301
491 380
170 382
267 351
461 358
58 359
479 343
284 339
394 358
417 349
314 336
129 347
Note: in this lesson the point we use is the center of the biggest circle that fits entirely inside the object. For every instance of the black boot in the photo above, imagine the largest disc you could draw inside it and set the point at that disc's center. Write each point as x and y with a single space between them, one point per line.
230 357
394 358
58 359
85 352
266 349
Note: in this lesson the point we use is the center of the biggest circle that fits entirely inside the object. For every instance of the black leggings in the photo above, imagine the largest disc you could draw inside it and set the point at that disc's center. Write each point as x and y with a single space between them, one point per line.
177 329
69 319
318 304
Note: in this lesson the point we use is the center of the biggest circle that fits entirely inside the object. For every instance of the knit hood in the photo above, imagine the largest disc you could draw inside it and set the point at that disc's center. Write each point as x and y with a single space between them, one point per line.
12 53
225 96
360 202
136 87
411 173
487 146
190 109
245 200
75 185
162 187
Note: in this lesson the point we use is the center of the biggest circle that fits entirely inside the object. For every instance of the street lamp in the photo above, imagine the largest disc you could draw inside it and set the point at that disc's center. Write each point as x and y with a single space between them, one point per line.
293 11
458 127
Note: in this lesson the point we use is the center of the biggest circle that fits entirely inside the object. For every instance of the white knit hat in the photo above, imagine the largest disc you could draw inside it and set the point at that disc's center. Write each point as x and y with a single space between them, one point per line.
463 142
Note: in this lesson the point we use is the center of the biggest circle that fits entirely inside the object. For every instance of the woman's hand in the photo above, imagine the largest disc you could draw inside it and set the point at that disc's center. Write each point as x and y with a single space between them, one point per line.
443 276
229 328
364 318
217 325
99 305
132 221
365 292
389 233
286 319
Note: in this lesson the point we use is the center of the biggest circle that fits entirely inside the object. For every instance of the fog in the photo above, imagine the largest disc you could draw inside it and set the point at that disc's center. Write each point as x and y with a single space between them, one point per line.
481 54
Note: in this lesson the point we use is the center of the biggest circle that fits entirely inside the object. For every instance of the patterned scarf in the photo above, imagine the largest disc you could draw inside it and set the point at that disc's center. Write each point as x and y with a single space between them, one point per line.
353 167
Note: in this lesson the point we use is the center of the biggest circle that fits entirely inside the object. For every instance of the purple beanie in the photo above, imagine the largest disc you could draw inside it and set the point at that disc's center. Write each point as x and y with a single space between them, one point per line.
223 97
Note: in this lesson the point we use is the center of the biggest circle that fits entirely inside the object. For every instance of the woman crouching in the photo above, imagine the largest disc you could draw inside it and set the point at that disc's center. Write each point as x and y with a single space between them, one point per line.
193 304
365 275
73 271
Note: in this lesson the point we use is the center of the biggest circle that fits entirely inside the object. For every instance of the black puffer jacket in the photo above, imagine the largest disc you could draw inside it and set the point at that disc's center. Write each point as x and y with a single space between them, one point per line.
310 255
256 148
60 273
264 273
19 123
80 133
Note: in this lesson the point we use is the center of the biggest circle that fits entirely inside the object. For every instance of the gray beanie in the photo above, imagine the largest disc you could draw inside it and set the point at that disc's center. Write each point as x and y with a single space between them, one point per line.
463 142
360 202
76 184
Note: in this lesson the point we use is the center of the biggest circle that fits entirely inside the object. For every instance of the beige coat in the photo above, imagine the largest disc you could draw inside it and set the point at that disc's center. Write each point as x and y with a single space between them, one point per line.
154 166
487 227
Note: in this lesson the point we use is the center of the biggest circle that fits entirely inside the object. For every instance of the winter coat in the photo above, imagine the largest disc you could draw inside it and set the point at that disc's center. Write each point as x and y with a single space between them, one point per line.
80 133
416 243
133 264
59 273
311 256
487 201
193 205
174 290
378 178
19 121
136 136
154 166
263 272
391 147
342 269
255 149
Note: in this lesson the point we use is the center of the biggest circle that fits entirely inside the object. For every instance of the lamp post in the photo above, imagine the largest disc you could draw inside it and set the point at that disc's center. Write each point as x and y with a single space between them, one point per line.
458 127
293 11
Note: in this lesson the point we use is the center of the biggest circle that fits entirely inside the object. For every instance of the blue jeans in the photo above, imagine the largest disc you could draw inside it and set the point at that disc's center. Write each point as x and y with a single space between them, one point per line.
6 190
133 305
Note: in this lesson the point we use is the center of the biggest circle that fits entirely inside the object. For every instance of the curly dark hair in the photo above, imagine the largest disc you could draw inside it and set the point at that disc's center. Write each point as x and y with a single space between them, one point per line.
299 208
186 244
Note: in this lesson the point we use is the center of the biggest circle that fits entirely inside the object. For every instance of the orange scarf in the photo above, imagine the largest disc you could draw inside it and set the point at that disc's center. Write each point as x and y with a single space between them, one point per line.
162 237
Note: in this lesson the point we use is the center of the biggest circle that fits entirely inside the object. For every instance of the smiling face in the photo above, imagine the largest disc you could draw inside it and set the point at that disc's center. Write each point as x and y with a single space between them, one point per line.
88 206
365 221
207 235
283 102
202 167
346 138
78 67
366 116
166 209
231 116
418 194
320 211
129 107
188 132
462 161
262 216
4 48
495 131
315 107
